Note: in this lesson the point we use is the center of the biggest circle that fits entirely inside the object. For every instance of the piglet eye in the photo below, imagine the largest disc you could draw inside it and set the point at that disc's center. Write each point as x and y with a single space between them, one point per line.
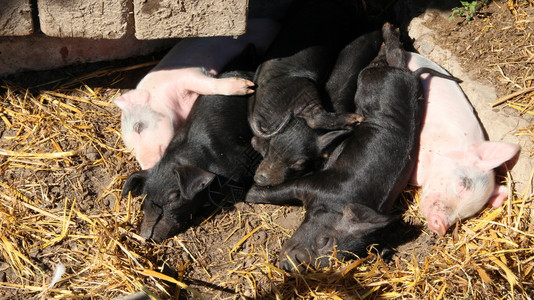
174 196
319 211
139 126
151 205
466 183
298 164
463 185
322 242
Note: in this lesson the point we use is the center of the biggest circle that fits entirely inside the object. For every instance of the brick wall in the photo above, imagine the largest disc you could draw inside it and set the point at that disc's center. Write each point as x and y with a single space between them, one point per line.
44 34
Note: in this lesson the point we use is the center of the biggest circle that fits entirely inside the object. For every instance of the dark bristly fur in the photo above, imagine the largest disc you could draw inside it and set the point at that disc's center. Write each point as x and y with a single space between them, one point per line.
298 62
213 142
291 91
351 197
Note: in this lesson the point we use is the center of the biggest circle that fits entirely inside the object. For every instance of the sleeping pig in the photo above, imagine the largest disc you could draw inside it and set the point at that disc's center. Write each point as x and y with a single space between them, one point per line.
349 200
297 65
209 156
455 167
159 105
299 148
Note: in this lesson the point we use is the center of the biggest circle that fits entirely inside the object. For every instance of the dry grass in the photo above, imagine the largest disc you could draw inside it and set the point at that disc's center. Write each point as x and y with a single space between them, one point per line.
520 88
62 164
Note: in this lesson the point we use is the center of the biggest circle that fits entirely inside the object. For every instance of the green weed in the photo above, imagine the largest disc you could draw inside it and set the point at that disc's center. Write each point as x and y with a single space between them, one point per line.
468 9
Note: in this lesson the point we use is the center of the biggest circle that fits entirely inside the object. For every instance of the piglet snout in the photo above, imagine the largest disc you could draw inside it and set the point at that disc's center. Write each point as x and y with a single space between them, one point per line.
296 259
437 224
261 178
146 231
269 174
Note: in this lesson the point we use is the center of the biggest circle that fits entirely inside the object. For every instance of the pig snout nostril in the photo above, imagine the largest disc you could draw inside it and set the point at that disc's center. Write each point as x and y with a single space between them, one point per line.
295 260
286 265
301 257
261 178
323 242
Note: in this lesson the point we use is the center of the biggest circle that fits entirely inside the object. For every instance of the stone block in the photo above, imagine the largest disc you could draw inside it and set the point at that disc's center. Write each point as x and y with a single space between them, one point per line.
170 18
108 19
16 18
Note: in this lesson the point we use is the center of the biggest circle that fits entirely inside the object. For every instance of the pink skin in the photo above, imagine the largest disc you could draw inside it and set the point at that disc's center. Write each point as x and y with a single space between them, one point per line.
456 164
162 100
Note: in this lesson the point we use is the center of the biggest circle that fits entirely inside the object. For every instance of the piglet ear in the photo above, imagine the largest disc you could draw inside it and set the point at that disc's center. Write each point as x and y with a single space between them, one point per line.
132 98
192 180
135 183
493 154
325 140
359 219
260 145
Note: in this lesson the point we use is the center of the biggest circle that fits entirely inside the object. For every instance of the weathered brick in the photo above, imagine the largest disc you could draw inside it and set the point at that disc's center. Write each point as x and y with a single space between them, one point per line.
107 19
15 18
171 18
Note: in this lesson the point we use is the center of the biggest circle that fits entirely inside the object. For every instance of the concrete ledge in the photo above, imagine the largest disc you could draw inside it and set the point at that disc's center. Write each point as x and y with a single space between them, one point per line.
170 18
107 19
44 53
15 18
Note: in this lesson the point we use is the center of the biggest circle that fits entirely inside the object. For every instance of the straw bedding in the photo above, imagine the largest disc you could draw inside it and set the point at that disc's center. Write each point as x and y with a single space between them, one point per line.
62 164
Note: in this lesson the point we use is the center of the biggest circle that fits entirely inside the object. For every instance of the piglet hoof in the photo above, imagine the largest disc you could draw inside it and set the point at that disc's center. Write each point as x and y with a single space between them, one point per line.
387 27
249 86
499 196
255 195
333 121
354 119
236 86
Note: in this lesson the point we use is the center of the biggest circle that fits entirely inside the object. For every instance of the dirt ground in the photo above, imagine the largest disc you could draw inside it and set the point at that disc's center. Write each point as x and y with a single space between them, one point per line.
231 253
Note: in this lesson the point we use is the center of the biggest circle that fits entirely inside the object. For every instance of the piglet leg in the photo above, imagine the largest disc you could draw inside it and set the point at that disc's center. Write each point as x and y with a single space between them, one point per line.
295 192
499 195
394 52
282 194
204 85
318 118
